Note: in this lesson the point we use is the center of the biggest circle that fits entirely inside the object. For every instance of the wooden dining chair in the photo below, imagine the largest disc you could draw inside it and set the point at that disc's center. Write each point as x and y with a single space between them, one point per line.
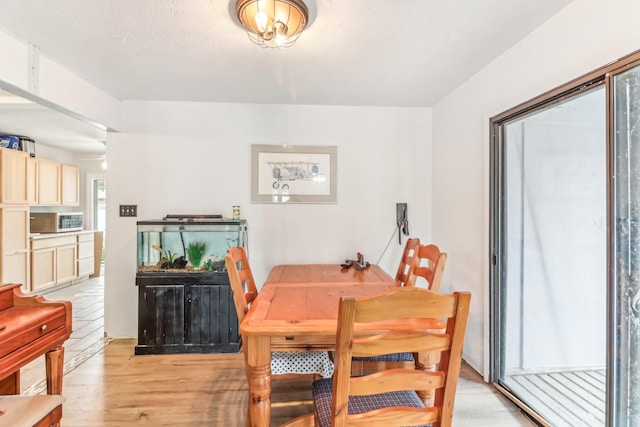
405 261
283 364
395 360
389 398
428 264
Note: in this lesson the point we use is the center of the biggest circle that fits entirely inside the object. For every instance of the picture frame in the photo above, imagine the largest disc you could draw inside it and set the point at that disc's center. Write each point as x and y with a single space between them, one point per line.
293 174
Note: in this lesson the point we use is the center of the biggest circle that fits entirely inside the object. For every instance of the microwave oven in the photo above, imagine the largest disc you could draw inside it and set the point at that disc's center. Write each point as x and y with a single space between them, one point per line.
56 222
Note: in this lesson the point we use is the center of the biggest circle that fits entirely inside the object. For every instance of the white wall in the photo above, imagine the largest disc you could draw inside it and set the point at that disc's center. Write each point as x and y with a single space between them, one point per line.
196 158
54 84
584 36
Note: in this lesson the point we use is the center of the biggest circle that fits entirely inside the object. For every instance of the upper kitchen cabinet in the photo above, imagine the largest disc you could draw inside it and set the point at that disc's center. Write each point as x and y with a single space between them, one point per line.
49 183
15 167
70 177
58 184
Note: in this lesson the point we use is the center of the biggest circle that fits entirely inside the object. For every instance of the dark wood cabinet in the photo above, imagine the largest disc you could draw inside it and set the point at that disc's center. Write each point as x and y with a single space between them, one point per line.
191 312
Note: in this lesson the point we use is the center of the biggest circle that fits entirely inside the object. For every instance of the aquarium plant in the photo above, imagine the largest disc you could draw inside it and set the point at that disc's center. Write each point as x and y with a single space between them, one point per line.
169 259
208 265
196 251
212 264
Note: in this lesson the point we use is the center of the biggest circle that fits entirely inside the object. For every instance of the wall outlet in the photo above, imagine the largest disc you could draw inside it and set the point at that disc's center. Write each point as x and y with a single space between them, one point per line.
128 210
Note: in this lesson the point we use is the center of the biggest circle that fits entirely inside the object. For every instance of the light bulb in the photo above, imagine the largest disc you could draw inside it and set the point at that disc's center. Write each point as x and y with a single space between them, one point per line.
261 21
281 32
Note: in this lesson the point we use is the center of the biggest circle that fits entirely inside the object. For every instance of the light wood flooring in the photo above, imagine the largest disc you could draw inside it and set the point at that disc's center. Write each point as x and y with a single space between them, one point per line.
106 385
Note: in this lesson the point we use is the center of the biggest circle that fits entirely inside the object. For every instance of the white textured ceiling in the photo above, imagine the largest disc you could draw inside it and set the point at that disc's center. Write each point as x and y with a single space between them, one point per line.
355 52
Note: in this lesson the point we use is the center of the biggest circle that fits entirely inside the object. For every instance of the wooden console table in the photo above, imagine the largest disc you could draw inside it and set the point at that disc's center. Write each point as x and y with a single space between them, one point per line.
30 326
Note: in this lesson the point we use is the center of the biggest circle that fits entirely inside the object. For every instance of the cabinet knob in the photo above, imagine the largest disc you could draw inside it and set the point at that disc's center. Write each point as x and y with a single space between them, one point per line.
43 328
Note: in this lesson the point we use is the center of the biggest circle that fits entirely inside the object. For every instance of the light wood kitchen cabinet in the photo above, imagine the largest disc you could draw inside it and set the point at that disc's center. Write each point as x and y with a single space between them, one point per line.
43 268
53 261
70 185
14 166
85 254
32 181
66 258
14 245
48 182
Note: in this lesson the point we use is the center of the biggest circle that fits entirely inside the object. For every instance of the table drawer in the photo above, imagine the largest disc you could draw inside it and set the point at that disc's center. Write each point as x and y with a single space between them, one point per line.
303 341
26 324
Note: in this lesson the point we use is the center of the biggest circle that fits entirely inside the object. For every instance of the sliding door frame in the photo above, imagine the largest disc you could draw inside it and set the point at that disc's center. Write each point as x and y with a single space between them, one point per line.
600 76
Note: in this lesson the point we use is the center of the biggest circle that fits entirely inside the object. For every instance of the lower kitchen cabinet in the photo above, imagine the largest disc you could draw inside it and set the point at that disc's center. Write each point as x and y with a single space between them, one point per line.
186 313
86 251
43 272
66 257
53 261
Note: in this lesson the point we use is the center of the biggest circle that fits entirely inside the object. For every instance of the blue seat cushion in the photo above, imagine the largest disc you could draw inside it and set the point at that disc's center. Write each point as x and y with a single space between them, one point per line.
321 390
394 357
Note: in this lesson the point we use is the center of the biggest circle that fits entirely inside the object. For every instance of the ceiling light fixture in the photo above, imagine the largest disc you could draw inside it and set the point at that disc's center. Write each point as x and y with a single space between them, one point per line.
273 23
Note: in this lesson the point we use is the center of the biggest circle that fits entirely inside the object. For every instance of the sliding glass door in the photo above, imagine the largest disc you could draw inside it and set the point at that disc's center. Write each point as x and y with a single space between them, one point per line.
565 246
625 333
553 323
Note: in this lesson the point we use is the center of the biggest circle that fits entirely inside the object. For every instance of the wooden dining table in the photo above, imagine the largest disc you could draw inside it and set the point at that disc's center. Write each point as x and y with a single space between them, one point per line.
297 310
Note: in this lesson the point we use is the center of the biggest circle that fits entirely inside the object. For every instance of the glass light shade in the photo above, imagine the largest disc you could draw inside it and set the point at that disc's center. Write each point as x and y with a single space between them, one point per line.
273 23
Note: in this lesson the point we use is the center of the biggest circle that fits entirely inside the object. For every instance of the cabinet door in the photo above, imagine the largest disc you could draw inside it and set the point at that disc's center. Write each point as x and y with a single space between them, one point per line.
85 254
66 263
70 176
32 181
161 315
43 268
13 175
15 269
15 245
48 182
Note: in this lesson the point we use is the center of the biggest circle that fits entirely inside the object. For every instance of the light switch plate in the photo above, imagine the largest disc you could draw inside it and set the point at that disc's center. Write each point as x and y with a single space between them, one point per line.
128 210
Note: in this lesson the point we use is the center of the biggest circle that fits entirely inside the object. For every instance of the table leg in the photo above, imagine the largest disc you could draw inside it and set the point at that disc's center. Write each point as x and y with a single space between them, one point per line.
258 366
55 368
427 362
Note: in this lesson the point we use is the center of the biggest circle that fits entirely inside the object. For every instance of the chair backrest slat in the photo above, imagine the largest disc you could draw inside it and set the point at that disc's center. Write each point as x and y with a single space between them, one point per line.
428 263
396 380
243 287
405 261
401 342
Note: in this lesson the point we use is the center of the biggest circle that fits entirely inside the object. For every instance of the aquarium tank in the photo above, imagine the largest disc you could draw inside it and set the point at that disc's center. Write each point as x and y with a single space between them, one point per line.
187 243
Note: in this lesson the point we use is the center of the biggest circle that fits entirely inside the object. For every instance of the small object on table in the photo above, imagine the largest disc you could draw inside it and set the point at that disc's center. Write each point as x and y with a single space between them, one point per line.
347 263
358 263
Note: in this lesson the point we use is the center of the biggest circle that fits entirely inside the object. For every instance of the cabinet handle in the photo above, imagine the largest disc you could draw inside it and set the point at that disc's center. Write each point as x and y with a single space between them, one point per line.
43 328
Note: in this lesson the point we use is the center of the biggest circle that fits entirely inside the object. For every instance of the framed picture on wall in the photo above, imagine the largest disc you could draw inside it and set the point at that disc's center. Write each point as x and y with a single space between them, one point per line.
293 174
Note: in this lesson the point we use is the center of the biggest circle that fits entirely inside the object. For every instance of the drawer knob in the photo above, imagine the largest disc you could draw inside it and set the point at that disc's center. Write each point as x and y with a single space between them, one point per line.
43 328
